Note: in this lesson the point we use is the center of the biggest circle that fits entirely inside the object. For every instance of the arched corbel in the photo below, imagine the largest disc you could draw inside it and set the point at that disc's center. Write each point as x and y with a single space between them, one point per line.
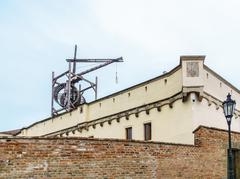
185 96
127 116
200 97
137 113
118 118
147 109
187 90
171 102
209 101
235 115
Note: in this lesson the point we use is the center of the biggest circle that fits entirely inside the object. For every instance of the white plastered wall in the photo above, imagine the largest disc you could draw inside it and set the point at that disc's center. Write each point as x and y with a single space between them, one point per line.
212 116
206 112
219 88
157 89
169 125
58 123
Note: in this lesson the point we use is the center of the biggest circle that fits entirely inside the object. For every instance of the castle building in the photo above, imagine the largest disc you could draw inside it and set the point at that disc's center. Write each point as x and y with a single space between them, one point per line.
167 108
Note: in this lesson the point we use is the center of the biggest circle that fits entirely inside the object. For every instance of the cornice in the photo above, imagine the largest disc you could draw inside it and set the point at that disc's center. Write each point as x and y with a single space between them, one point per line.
118 116
107 120
218 103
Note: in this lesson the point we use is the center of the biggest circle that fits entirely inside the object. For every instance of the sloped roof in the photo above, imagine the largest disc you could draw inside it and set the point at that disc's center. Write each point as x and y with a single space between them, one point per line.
12 132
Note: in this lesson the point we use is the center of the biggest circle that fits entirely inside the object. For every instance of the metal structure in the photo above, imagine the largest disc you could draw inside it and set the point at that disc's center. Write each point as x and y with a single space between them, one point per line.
228 109
67 93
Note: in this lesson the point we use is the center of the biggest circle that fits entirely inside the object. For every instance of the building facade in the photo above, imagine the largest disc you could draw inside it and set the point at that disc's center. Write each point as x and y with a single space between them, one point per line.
167 108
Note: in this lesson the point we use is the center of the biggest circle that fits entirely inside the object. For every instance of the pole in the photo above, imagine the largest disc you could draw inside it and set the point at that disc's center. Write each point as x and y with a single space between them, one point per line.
230 154
74 59
96 87
69 89
52 110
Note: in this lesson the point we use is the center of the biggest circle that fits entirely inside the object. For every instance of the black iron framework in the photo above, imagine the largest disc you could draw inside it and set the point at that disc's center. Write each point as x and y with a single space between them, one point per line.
67 93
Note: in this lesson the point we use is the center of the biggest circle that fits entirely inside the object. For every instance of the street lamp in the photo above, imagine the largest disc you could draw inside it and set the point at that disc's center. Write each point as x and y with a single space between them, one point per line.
229 108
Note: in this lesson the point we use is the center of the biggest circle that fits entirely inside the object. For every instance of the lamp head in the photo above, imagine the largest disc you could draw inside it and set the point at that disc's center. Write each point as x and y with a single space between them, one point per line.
229 108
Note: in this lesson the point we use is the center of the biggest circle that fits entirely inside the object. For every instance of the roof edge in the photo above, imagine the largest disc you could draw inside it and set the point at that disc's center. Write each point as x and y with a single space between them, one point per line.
212 128
9 138
221 78
192 58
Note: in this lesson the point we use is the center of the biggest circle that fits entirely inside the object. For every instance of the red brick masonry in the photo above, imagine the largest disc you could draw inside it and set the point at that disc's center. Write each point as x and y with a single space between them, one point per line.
105 158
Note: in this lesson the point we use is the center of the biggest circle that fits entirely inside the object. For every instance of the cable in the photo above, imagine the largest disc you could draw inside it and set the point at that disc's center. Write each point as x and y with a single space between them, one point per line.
116 79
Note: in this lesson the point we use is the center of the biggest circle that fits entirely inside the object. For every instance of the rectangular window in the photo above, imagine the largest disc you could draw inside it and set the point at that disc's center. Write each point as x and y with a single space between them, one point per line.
129 133
236 159
147 131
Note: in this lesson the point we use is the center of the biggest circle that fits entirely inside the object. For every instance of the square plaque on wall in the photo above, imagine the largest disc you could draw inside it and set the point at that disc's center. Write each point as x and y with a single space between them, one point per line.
192 69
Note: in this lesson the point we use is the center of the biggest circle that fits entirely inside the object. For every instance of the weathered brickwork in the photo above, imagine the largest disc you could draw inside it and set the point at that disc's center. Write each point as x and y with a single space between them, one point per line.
100 158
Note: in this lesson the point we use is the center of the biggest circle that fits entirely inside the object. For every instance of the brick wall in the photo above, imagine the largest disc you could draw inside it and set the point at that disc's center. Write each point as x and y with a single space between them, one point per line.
104 158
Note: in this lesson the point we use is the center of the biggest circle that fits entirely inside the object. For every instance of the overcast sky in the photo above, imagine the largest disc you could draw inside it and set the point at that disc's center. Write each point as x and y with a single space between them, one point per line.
37 36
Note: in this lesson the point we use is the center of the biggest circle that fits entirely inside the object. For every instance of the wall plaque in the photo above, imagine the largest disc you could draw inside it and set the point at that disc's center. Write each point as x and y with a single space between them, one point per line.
192 69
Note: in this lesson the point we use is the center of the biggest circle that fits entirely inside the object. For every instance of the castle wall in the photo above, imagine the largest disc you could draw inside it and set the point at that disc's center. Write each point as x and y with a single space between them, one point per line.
107 158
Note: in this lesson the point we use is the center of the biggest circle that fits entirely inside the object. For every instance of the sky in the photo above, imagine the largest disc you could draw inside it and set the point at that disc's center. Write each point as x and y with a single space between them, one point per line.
37 36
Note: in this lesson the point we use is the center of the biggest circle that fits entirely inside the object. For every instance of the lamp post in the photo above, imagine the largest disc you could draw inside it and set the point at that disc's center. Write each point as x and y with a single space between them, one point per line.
229 108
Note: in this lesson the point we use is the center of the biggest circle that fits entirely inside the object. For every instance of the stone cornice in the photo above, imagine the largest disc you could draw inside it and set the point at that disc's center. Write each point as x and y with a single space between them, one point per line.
118 116
192 58
107 120
218 103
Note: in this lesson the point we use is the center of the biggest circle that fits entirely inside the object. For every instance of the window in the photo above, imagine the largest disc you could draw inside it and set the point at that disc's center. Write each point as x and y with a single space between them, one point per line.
236 160
129 133
147 131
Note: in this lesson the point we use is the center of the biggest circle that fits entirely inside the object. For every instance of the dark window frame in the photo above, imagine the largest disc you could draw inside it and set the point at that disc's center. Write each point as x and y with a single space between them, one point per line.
128 132
148 131
236 161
